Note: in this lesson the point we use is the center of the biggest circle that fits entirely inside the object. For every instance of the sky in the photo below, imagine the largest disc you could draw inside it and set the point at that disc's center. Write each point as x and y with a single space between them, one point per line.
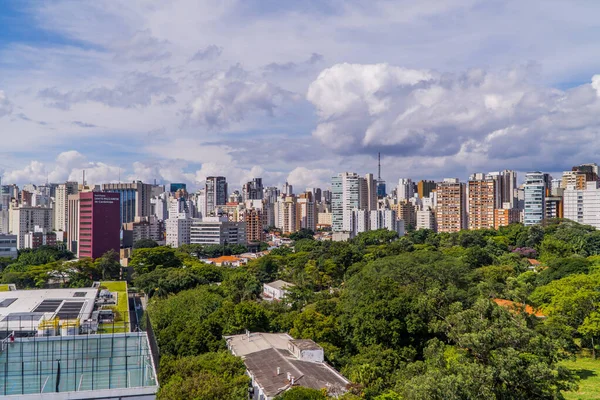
295 91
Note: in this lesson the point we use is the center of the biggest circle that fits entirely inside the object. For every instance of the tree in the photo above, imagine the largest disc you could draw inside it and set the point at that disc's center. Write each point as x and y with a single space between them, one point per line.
211 376
109 265
147 260
145 244
302 234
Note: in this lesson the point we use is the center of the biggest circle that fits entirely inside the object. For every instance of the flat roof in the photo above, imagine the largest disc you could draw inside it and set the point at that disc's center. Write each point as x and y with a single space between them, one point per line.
23 309
279 284
56 367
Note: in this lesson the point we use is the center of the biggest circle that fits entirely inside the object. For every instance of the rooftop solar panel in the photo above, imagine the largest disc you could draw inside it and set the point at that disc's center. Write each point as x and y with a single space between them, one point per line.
24 316
70 309
48 306
7 302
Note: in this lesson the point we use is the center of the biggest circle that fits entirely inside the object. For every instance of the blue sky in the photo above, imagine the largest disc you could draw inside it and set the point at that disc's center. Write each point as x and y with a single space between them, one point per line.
295 90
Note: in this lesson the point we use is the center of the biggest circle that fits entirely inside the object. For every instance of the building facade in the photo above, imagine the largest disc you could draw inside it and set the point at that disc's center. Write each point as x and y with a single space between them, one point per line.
481 203
99 224
219 231
535 195
451 215
134 199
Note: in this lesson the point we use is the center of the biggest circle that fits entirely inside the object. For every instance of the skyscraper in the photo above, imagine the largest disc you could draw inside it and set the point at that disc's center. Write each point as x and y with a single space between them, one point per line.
425 187
345 196
535 195
405 189
61 218
99 224
253 190
216 193
368 192
134 200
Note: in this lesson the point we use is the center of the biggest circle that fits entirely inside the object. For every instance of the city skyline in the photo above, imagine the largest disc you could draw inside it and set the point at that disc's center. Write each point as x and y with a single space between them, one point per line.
294 91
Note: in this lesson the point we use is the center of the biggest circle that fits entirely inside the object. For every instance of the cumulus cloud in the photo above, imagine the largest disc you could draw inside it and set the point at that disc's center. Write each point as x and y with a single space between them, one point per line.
6 106
208 53
229 96
302 177
136 89
163 171
499 114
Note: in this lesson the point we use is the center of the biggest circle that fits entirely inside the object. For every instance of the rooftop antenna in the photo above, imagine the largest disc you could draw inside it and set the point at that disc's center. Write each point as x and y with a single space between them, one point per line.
379 166
119 174
84 177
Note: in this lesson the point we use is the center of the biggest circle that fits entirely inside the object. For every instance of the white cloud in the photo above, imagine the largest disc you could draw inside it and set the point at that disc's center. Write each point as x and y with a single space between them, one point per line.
142 47
229 96
302 177
208 53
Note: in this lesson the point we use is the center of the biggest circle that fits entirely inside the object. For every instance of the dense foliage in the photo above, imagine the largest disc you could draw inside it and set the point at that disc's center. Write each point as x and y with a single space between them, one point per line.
416 317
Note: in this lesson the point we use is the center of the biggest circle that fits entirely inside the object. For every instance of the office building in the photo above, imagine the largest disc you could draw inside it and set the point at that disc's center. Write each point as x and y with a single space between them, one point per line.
408 213
219 231
345 197
216 194
451 215
134 199
8 246
143 228
99 224
317 194
535 194
253 190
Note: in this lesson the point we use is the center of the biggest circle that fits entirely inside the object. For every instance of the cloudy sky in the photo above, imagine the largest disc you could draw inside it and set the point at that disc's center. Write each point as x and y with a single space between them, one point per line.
295 90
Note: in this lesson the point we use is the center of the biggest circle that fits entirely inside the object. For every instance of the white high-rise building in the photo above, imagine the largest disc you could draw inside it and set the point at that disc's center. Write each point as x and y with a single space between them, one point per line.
179 223
24 219
386 219
61 219
360 221
286 214
405 189
307 211
583 206
425 219
345 197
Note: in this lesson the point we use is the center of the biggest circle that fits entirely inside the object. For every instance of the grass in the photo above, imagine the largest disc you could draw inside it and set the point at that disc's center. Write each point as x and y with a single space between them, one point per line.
122 307
588 370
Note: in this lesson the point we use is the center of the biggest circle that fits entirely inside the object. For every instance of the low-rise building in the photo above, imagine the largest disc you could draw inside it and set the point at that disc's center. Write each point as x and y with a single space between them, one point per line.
8 246
276 362
227 261
218 230
276 290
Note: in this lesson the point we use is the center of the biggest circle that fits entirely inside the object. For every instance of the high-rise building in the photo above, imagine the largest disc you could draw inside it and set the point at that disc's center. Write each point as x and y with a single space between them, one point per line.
408 213
288 189
426 219
235 197
553 207
253 190
327 195
360 221
368 192
216 194
73 222
316 192
61 217
219 231
424 188
99 224
253 217
271 194
143 228
345 197
307 212
405 189
386 219
482 201
535 194
24 219
451 215
134 200
583 206
286 215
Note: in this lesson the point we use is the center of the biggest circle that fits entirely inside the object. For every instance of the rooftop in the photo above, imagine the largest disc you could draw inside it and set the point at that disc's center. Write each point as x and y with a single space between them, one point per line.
279 284
275 369
225 259
93 366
